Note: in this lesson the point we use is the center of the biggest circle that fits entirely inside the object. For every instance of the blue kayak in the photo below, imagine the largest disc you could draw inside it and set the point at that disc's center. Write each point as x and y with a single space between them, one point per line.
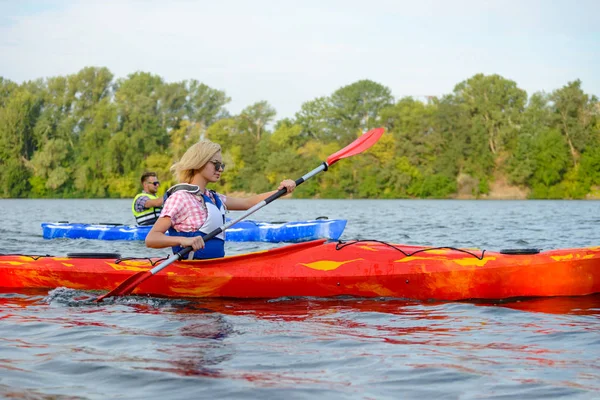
243 231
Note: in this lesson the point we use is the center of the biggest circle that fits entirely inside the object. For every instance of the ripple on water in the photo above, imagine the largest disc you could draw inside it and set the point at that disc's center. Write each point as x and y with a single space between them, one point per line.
63 345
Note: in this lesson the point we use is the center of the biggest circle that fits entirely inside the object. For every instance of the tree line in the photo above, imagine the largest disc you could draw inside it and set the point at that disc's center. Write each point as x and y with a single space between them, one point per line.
89 135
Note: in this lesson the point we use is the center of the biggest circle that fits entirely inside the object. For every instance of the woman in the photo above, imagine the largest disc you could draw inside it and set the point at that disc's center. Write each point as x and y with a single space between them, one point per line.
192 211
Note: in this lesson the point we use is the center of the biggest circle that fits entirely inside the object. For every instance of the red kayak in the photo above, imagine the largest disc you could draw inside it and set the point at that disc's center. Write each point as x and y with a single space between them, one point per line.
317 268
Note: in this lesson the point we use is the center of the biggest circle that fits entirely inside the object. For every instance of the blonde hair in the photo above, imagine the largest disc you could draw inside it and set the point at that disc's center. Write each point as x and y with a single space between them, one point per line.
194 159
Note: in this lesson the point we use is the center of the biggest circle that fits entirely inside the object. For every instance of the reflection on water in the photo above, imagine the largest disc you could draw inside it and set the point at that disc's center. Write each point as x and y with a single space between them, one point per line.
62 345
578 305
338 347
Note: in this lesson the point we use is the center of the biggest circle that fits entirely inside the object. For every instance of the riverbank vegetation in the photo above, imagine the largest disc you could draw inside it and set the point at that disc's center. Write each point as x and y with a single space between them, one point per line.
89 135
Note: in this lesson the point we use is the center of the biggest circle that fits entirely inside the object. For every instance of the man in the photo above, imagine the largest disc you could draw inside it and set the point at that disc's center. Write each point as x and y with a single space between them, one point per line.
146 206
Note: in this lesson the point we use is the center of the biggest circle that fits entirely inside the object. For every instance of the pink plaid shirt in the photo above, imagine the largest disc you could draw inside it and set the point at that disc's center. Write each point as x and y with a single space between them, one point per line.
187 212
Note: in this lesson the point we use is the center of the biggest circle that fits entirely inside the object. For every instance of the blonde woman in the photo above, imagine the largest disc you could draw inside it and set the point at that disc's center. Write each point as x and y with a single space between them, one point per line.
193 212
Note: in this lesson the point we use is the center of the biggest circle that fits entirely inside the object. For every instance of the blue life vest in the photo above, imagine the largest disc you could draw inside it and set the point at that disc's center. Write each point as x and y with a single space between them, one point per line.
214 248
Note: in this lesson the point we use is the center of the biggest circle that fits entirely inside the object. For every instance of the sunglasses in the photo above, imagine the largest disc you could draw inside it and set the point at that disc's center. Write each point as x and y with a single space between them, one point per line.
154 183
218 165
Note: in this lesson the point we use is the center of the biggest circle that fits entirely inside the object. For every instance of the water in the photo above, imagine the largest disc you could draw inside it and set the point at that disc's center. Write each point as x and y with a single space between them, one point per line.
59 345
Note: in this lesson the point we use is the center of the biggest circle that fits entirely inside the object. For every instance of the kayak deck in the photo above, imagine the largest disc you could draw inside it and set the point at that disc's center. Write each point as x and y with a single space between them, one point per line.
317 268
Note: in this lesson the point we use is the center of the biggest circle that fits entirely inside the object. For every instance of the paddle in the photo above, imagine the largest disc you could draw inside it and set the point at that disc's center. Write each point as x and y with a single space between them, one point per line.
358 146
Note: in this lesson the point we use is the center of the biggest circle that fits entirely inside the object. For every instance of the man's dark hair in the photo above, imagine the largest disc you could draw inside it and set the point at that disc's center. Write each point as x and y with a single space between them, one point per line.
147 175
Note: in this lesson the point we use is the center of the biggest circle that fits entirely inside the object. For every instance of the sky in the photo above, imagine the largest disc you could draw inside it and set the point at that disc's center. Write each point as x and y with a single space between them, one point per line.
288 53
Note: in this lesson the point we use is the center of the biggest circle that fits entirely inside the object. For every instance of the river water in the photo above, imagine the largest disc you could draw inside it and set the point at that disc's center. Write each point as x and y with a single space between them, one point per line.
54 346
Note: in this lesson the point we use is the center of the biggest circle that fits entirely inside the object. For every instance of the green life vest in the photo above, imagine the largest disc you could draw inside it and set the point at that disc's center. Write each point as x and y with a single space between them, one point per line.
149 215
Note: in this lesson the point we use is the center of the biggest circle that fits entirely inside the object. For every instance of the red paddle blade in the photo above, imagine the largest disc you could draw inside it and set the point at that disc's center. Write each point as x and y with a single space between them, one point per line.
126 287
358 146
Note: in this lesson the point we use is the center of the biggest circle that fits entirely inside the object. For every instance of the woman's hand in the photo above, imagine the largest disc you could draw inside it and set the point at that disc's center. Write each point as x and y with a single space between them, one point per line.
289 184
196 242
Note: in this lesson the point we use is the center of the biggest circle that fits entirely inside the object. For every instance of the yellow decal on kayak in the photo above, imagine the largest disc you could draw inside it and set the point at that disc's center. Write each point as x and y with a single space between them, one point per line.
463 262
472 261
326 265
129 267
15 263
438 251
571 256
562 258
369 248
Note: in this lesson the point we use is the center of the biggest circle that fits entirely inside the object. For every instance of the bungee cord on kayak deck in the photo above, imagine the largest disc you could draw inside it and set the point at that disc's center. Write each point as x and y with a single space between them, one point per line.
117 257
341 244
34 257
152 262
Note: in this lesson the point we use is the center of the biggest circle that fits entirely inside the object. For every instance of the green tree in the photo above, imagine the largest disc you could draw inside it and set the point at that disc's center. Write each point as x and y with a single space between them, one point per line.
205 105
93 157
6 88
288 135
411 123
575 115
537 119
355 108
495 104
17 120
140 133
348 112
172 104
551 158
256 117
315 119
